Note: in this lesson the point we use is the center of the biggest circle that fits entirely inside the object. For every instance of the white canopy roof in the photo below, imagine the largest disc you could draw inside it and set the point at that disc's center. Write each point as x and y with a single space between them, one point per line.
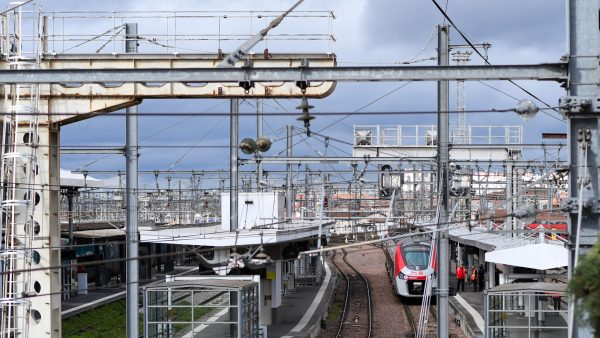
69 179
541 256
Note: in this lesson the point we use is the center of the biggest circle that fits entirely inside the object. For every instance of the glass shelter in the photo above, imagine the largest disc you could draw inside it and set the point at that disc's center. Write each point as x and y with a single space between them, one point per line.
202 308
526 310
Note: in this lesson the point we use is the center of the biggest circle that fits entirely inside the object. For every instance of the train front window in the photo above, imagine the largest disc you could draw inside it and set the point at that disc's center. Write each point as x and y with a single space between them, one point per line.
417 258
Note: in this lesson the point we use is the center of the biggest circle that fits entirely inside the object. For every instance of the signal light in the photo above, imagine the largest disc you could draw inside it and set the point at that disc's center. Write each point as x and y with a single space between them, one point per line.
263 144
249 146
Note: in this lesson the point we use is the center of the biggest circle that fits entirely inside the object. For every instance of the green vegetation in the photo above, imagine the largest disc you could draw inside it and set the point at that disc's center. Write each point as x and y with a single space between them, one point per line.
585 287
185 315
335 312
104 321
108 321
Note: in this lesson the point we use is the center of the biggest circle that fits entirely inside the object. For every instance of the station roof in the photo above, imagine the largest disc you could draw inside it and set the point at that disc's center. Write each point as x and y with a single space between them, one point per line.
540 256
102 233
203 283
480 237
538 286
523 250
215 236
71 180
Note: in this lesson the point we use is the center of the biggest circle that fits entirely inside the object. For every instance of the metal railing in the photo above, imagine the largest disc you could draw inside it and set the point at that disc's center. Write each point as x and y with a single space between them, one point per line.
426 135
177 31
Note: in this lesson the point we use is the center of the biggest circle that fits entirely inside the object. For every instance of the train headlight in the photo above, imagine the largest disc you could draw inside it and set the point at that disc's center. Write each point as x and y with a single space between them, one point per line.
402 276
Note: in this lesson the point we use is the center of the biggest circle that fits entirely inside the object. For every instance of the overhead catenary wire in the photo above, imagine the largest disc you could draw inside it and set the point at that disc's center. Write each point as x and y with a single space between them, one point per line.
451 224
162 130
180 158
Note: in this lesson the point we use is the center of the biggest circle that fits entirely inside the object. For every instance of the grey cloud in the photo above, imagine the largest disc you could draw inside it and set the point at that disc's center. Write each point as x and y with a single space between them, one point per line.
538 23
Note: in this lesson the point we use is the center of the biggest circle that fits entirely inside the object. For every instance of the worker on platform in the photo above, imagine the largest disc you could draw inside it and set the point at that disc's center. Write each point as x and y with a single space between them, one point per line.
481 276
474 278
460 278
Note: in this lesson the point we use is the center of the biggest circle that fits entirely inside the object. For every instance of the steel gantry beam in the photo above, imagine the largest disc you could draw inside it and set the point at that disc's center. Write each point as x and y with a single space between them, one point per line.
541 72
374 160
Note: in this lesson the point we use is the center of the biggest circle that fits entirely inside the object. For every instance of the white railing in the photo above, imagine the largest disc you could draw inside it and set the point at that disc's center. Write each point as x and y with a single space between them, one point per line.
180 31
426 135
395 135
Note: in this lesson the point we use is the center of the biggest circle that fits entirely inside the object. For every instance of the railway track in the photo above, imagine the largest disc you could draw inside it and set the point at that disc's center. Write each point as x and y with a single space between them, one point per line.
413 323
390 316
412 314
356 319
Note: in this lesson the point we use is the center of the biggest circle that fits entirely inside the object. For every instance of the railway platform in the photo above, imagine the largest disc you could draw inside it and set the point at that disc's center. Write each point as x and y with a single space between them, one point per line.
303 308
467 308
97 296
299 315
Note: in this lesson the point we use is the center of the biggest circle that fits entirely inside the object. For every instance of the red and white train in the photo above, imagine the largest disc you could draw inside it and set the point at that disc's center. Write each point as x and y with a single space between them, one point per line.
408 265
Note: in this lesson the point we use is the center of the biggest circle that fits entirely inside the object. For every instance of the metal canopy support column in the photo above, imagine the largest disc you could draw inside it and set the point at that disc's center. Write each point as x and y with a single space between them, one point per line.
443 158
233 164
132 237
583 141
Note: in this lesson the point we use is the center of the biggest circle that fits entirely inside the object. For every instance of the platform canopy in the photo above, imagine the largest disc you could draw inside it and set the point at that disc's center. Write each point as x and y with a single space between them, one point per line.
540 256
69 179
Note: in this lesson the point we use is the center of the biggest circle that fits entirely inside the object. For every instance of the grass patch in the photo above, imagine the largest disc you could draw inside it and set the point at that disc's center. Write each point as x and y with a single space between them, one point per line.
109 320
335 312
185 315
105 321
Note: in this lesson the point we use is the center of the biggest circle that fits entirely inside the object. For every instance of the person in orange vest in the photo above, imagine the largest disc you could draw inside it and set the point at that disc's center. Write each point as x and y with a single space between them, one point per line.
474 278
460 278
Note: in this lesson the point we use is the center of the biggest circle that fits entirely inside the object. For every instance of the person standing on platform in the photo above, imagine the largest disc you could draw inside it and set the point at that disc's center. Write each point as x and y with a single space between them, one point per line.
474 278
460 278
481 276
556 301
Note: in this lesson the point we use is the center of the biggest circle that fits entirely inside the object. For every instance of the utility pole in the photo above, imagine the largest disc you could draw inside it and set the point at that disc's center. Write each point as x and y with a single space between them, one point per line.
289 189
71 192
233 164
259 133
131 187
443 159
582 112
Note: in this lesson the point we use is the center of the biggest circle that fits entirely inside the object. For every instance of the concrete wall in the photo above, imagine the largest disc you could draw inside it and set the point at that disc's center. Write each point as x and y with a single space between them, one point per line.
254 209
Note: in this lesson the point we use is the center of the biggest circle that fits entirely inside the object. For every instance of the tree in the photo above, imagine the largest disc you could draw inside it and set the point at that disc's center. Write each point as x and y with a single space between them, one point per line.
585 287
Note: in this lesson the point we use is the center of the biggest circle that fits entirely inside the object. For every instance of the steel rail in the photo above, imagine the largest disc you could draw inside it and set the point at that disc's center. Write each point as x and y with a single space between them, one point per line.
410 317
347 296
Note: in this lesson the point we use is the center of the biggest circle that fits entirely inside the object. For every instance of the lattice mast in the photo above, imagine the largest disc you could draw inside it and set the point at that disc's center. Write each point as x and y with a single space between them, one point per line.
461 134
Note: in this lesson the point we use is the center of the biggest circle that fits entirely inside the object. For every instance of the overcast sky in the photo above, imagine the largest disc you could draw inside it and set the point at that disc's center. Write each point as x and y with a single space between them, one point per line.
376 32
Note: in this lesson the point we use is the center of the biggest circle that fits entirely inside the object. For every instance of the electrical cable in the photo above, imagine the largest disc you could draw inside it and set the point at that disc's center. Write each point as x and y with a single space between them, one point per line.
489 64
582 183
273 114
196 144
359 109
157 132
451 225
